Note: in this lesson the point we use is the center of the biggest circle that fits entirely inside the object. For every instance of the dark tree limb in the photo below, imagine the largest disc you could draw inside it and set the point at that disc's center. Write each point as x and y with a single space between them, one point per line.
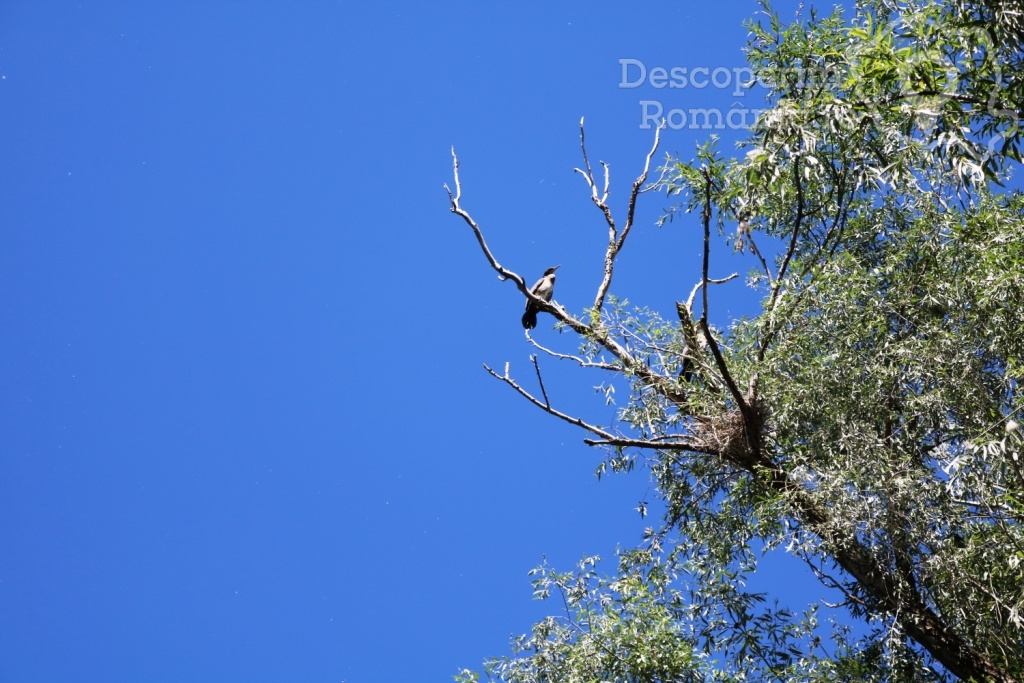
723 369
682 444
540 380
773 299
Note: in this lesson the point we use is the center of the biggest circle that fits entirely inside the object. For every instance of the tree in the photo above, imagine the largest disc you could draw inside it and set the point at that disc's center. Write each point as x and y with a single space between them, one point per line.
867 421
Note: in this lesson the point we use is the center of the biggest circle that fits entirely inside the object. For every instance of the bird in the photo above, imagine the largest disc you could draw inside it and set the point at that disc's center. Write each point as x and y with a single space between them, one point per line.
544 289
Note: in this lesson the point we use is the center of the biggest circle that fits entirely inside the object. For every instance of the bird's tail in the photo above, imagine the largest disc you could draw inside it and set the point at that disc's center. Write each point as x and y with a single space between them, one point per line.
530 319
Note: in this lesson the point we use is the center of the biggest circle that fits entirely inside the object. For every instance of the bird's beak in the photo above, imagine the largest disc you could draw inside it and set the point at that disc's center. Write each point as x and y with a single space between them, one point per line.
556 267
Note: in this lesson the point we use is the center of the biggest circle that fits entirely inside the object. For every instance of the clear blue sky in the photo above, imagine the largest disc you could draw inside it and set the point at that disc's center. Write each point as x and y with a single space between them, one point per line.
245 433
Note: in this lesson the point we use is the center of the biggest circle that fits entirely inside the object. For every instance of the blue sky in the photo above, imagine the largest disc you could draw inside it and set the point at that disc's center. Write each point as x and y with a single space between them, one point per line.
245 432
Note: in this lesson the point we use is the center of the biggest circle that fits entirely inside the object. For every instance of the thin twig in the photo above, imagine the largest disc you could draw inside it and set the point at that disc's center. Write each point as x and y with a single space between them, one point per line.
606 438
710 281
600 201
589 173
757 253
547 408
564 356
540 380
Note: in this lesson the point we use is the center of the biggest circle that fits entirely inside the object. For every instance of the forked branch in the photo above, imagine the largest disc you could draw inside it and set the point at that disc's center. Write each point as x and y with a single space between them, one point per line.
670 442
626 361
616 240
559 313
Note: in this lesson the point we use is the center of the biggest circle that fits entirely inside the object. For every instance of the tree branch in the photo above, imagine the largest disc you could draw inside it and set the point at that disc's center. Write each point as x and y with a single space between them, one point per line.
623 442
546 407
670 442
540 380
616 240
559 313
769 314
638 188
457 209
723 369
564 356
710 281
504 273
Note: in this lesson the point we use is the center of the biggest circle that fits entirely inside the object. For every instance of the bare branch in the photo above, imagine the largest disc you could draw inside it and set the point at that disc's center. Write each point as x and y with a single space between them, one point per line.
587 174
600 201
616 241
559 313
662 384
547 407
540 380
670 442
638 187
564 356
710 281
505 274
457 209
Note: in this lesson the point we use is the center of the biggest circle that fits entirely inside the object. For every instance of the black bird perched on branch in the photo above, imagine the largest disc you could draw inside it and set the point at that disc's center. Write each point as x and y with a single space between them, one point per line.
544 289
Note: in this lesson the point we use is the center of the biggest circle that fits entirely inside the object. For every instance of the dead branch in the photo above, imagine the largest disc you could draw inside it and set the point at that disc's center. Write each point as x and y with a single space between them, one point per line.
546 407
540 379
504 273
616 240
670 442
588 175
638 188
666 386
697 287
457 209
559 313
564 356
